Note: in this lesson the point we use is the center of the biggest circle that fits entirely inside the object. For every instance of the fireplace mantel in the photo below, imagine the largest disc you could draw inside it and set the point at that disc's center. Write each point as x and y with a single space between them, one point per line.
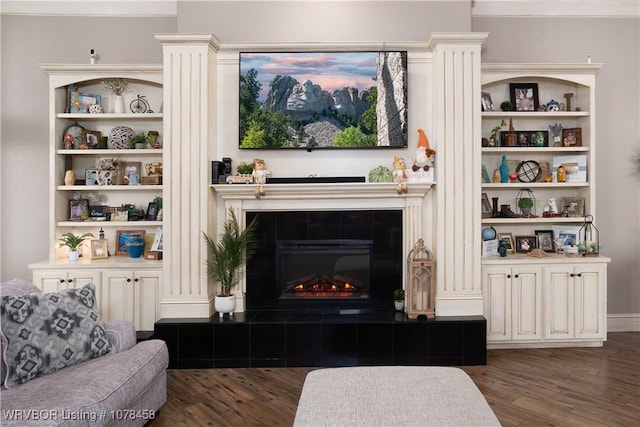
240 198
331 191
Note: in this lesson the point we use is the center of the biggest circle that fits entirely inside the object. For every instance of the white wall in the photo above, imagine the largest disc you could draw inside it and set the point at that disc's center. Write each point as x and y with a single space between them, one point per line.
24 130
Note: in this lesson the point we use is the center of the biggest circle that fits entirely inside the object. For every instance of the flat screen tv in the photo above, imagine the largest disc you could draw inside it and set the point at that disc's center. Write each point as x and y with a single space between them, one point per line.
322 100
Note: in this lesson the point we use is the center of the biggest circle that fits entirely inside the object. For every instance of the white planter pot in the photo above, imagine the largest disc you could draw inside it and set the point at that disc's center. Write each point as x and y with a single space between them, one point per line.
74 256
225 305
399 305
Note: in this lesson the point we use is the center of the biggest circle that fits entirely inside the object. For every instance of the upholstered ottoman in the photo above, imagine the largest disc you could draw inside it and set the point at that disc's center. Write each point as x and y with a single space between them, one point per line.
392 396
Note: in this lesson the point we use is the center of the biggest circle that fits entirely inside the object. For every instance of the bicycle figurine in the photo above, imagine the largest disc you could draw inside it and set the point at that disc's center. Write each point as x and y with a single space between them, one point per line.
140 105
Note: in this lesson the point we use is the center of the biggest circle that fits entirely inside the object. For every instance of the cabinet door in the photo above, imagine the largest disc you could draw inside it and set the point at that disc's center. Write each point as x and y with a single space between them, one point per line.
56 280
146 301
526 313
496 295
590 301
117 295
558 296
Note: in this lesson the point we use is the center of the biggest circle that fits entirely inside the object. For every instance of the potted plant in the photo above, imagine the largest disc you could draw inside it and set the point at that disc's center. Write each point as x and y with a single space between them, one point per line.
73 242
244 168
227 256
118 87
138 140
525 204
398 299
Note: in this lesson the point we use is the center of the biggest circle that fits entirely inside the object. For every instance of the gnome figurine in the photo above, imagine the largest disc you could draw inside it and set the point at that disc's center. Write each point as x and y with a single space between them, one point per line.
424 156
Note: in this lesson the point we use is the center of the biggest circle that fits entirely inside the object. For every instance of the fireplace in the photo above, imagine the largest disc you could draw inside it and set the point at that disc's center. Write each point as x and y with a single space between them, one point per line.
325 260
323 270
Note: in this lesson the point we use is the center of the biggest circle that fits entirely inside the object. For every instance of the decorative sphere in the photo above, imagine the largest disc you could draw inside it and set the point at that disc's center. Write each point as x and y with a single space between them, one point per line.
488 233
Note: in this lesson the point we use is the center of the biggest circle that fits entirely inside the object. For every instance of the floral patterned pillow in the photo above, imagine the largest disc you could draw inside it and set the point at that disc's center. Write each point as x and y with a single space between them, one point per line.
47 332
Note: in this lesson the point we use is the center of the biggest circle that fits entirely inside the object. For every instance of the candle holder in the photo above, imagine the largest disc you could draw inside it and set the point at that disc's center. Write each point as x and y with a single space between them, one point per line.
420 287
589 238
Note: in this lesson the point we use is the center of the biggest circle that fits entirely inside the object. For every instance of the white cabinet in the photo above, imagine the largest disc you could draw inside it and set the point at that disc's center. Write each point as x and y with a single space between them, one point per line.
57 280
575 301
513 303
136 291
126 289
538 302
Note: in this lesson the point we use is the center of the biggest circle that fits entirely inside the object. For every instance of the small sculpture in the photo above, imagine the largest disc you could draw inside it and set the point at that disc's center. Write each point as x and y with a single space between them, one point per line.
400 175
260 174
551 206
496 176
69 178
424 156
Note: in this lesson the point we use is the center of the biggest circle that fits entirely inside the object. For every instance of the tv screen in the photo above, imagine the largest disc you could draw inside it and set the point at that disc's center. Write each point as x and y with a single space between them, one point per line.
319 100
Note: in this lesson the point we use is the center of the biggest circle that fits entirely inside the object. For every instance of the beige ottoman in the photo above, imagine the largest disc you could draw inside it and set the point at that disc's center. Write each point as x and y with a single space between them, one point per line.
392 396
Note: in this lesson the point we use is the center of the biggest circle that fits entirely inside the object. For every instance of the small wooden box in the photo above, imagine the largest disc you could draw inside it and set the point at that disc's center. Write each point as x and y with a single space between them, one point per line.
151 180
153 255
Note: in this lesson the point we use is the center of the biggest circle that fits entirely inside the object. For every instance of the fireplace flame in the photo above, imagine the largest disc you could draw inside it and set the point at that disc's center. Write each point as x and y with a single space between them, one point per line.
323 286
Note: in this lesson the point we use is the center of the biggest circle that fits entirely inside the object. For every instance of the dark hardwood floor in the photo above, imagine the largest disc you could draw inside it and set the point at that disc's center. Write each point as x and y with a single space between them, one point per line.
531 387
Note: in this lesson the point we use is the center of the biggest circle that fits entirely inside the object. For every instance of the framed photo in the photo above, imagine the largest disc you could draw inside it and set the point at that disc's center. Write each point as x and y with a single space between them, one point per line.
507 241
524 96
566 238
487 211
130 168
78 210
87 99
91 176
121 239
97 212
99 249
572 206
487 103
91 138
533 138
525 244
545 240
572 137
152 212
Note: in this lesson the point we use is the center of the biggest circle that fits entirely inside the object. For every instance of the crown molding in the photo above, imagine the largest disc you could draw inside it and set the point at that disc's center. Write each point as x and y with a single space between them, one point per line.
556 8
139 8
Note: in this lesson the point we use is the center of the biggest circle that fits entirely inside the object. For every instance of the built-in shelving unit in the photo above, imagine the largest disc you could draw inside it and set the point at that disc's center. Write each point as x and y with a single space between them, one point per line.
559 299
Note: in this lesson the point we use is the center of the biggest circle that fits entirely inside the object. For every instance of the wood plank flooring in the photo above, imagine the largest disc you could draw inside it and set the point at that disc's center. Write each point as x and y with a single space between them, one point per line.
532 387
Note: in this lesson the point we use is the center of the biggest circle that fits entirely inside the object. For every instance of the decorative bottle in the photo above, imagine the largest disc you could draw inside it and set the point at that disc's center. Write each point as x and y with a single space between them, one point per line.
504 170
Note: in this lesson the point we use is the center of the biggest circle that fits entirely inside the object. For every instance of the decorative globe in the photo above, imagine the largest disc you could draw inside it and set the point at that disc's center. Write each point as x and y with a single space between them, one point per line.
119 137
488 233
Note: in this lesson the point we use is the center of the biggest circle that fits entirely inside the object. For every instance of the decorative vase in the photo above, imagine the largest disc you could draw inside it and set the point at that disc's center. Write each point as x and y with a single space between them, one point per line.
504 170
135 245
74 256
118 107
225 304
399 305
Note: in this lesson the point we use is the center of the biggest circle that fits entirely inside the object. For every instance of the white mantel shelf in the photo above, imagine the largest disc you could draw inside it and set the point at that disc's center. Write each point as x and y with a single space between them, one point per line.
363 190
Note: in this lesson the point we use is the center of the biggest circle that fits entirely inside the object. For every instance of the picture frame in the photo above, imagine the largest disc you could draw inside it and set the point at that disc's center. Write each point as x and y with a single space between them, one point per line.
99 249
508 242
91 176
487 103
121 239
130 168
97 212
572 206
525 244
566 238
87 99
78 210
487 211
572 137
533 138
545 240
524 96
91 138
152 212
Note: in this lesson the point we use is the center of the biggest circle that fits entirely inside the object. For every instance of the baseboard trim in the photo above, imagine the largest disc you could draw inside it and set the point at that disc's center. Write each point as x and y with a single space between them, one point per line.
623 322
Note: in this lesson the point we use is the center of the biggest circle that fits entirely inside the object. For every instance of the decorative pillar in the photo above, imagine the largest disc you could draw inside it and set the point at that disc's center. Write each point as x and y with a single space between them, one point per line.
189 107
458 132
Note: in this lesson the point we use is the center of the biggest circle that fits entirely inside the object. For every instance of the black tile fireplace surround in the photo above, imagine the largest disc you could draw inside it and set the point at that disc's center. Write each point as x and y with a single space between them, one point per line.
270 333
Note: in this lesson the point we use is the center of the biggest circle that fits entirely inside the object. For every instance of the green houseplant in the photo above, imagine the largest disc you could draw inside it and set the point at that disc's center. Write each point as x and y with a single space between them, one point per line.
73 242
138 140
227 255
398 299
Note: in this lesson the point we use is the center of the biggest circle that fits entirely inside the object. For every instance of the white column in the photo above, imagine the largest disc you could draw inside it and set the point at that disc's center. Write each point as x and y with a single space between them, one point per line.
189 63
456 97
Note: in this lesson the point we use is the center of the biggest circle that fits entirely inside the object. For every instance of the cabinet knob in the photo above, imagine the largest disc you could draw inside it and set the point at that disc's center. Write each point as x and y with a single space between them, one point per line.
516 276
69 280
136 279
128 280
508 276
579 274
571 275
61 280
